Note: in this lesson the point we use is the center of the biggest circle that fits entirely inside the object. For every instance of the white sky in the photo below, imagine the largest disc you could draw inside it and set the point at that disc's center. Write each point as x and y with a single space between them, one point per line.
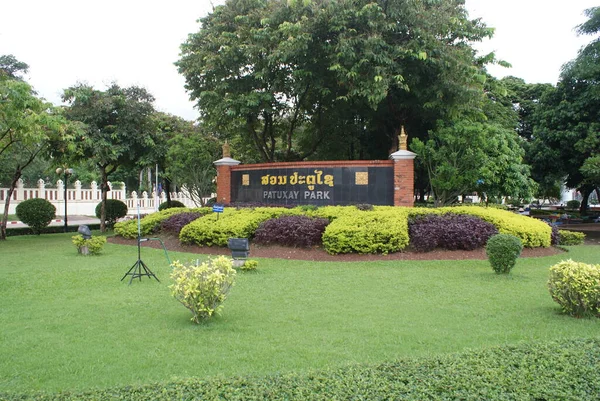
136 42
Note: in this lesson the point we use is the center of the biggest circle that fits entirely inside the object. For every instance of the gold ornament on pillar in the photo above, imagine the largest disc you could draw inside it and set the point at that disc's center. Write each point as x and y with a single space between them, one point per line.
226 151
402 139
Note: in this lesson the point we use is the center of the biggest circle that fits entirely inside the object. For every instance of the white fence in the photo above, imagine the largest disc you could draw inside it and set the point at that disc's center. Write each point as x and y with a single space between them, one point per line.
82 201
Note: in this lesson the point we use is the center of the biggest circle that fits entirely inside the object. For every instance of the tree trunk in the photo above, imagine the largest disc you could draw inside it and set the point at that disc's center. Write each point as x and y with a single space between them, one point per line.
104 187
585 193
168 189
11 190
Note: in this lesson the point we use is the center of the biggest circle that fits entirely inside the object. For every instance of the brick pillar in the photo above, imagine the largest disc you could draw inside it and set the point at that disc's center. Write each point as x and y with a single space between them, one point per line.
404 177
224 179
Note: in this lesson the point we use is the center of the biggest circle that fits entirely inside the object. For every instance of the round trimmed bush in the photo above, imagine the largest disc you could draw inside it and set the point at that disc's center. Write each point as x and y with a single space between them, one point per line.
574 286
169 205
37 213
115 210
573 204
502 251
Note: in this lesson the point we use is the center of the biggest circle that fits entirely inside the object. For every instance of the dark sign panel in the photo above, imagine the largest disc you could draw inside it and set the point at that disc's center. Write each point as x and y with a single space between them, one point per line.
314 186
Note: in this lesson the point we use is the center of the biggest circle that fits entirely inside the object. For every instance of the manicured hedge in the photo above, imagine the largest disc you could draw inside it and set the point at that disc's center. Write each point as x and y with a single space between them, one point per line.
383 230
532 232
216 228
449 231
295 231
561 370
150 224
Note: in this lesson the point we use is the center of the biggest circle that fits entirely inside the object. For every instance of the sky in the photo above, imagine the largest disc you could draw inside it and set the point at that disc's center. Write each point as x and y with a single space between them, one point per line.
136 42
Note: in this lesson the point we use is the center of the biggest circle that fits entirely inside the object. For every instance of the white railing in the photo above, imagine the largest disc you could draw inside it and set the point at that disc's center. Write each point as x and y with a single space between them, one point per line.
83 201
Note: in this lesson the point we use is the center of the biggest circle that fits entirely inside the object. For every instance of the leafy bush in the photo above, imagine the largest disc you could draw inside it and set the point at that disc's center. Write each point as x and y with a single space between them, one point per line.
203 287
383 230
297 231
37 213
449 231
176 222
502 251
115 210
573 204
169 205
556 370
151 223
532 232
576 288
216 228
571 237
94 244
555 235
249 265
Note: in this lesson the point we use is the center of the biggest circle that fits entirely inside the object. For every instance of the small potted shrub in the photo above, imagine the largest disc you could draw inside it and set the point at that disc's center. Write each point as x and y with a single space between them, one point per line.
502 251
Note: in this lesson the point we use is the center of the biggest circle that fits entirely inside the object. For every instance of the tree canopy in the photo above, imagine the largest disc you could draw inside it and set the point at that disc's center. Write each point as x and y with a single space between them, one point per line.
28 128
332 79
119 129
567 135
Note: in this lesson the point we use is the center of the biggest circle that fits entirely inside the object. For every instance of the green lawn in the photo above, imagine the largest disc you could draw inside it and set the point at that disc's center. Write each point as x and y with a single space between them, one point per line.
68 323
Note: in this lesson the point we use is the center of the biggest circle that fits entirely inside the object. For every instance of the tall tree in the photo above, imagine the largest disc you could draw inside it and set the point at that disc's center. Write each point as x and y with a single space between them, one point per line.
119 129
28 127
478 151
331 78
568 132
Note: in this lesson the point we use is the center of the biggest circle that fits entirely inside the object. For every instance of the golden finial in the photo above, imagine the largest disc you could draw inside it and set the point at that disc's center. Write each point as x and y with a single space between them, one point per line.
226 151
402 139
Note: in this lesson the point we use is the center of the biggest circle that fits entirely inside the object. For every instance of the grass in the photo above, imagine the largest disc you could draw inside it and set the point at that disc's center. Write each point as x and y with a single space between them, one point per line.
68 323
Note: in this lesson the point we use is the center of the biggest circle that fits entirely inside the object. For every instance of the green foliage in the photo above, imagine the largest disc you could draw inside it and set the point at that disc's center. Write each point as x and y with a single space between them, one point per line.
203 287
576 288
249 265
502 251
151 223
114 210
568 238
215 229
384 230
37 213
93 244
119 129
190 158
532 232
573 204
169 205
29 128
557 370
282 76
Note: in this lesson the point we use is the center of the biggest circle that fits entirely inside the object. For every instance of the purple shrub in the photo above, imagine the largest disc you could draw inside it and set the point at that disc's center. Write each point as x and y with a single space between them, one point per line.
175 223
555 236
296 231
449 231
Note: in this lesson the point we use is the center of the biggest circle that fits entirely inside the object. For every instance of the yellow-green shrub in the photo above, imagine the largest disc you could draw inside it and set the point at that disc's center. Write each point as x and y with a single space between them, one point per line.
567 237
215 229
93 244
151 223
202 288
383 230
576 287
533 233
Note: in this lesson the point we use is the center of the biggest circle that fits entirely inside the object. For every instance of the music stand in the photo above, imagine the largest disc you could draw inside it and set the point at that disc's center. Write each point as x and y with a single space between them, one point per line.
139 268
